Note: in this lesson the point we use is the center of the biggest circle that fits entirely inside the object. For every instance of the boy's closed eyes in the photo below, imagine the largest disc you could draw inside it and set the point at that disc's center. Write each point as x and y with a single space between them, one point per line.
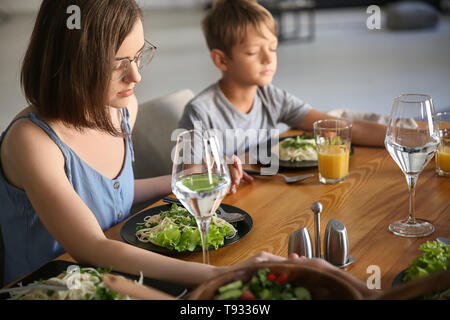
252 46
254 51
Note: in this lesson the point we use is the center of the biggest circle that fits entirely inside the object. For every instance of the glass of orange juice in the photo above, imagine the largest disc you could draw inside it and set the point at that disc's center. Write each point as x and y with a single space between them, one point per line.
443 152
333 139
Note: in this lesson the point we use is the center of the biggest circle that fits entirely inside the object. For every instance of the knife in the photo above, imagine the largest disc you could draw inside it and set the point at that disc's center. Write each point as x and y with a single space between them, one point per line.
173 201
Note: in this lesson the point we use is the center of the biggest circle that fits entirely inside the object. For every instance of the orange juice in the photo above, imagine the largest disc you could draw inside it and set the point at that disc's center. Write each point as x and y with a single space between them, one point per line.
443 158
333 161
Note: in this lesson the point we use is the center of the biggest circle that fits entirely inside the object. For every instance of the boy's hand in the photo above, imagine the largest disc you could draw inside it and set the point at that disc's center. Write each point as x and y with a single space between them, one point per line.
237 174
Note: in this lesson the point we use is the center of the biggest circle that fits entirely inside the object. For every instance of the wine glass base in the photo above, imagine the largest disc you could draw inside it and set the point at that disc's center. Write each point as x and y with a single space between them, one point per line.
404 228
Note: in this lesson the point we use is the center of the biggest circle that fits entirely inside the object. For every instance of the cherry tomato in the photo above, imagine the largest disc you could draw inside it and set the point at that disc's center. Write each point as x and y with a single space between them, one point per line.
282 278
271 277
247 295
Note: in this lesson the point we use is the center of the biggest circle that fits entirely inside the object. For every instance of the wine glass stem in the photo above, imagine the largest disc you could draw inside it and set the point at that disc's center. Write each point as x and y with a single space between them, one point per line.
412 181
203 225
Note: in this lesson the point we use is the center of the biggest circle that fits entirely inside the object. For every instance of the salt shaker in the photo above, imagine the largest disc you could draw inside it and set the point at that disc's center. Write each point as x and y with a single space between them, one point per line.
300 243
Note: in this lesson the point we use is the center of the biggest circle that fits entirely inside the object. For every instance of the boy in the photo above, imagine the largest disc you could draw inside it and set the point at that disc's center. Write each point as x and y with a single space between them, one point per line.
241 36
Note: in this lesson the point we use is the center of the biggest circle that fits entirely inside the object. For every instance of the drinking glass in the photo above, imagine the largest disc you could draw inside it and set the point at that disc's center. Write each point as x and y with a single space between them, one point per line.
412 138
443 153
333 140
200 178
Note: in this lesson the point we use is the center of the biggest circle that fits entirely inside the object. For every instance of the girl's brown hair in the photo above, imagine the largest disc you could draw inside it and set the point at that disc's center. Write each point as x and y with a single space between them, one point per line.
66 72
225 25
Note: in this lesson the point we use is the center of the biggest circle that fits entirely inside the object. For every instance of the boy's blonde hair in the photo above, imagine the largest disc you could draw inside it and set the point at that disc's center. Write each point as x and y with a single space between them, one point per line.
225 25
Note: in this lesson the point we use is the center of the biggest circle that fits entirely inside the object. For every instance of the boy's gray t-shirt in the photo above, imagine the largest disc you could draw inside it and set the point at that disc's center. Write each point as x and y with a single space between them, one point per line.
210 109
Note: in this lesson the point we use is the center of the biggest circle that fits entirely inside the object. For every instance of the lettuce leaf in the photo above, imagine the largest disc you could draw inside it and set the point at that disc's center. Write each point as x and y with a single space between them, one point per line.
298 142
179 238
436 257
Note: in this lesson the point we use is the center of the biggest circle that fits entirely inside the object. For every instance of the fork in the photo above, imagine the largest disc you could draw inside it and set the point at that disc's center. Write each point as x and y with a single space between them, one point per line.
46 286
288 180
230 216
227 216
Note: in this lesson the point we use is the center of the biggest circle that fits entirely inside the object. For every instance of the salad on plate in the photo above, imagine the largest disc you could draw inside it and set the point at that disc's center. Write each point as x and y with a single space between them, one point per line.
176 229
299 148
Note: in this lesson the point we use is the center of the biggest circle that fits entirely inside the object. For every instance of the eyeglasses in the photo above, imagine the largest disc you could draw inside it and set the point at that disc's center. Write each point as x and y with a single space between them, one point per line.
121 67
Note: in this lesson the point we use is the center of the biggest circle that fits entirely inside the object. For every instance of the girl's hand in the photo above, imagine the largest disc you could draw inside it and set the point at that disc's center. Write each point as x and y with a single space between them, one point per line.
259 258
237 174
316 263
263 256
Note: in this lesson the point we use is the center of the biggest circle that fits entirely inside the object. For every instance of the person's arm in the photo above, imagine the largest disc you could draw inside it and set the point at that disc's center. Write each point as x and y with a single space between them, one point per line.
366 133
151 189
237 174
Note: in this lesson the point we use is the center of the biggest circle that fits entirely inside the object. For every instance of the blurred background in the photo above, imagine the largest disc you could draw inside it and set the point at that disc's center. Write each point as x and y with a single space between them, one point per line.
328 55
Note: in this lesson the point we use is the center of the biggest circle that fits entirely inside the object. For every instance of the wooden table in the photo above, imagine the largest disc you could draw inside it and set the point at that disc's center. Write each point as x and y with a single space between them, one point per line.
374 195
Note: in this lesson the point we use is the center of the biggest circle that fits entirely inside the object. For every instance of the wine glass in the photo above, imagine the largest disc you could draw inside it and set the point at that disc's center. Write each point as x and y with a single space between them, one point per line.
412 138
200 178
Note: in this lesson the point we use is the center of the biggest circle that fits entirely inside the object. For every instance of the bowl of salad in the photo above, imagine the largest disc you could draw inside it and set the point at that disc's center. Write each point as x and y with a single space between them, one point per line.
276 281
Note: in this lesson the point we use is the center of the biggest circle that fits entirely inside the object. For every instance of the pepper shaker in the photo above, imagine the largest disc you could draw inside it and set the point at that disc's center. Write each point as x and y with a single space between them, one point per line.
336 244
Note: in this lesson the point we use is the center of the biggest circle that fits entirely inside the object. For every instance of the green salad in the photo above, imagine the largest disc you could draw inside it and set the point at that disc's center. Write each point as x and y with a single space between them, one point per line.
299 142
300 148
176 229
436 257
264 285
83 283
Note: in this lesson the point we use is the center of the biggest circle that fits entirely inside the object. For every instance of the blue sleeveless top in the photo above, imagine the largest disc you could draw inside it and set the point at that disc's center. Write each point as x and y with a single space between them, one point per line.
28 244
